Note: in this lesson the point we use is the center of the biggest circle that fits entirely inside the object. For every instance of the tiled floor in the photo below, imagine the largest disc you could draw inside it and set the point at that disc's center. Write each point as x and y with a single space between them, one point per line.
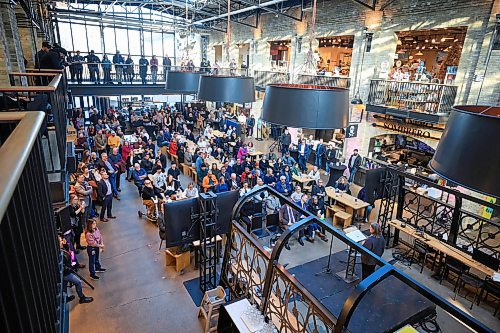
139 294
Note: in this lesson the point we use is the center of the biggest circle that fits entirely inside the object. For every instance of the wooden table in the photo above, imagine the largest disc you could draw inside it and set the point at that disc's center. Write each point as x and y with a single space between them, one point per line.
353 205
254 154
210 160
441 247
302 180
218 134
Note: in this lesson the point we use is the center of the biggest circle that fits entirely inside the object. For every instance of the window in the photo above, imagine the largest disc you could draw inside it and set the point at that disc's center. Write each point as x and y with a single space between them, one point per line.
79 37
109 40
157 44
66 38
134 40
148 49
122 41
94 38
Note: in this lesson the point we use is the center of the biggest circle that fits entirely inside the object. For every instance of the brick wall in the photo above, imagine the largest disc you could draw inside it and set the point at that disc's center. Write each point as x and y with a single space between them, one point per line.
11 54
345 17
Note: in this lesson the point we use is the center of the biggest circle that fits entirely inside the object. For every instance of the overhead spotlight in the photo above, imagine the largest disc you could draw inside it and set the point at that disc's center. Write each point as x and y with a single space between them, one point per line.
427 41
418 48
423 47
456 40
433 40
443 39
414 42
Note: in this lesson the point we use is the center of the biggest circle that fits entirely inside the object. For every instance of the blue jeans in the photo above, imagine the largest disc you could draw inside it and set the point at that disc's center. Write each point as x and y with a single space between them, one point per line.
76 281
94 263
112 180
368 211
352 174
318 161
312 228
302 163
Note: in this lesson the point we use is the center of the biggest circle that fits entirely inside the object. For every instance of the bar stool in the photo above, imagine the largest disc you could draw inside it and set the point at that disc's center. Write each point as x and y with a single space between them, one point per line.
471 280
209 308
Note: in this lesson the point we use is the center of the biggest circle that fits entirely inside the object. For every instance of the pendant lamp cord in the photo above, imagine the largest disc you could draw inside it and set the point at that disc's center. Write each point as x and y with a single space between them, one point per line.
228 32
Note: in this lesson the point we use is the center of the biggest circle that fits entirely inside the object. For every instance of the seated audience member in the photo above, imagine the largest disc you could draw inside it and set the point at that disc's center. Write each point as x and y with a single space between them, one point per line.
362 196
222 186
287 217
215 170
295 169
162 158
203 172
172 148
209 182
287 173
234 184
242 152
69 273
147 164
272 205
288 160
319 191
342 185
174 171
314 174
284 187
316 208
139 175
171 185
269 178
296 195
191 191
245 189
160 179
149 192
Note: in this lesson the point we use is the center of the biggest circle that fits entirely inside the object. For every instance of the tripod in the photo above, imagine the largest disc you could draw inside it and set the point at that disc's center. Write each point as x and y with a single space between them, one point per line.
328 269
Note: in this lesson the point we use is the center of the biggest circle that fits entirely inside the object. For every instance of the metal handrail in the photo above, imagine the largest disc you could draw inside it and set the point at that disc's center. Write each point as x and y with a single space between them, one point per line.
417 82
52 86
15 151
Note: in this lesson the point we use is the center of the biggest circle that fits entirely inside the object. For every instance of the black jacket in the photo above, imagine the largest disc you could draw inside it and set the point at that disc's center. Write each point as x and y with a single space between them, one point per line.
357 161
286 139
102 189
51 60
175 173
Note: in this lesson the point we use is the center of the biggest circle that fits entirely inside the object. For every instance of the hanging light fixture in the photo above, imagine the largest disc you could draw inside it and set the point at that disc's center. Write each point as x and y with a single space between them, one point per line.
419 53
183 82
470 144
285 104
306 105
231 89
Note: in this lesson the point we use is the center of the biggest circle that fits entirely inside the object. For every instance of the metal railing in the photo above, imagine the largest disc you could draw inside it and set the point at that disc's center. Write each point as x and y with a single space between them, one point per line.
129 74
441 216
31 292
263 78
45 92
431 98
285 301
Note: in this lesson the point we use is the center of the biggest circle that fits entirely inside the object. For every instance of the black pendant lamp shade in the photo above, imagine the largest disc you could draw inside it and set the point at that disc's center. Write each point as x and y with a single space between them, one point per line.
306 106
182 82
468 153
231 89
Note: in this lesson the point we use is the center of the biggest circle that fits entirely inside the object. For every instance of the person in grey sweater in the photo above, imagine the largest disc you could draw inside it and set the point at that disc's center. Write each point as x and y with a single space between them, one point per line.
376 244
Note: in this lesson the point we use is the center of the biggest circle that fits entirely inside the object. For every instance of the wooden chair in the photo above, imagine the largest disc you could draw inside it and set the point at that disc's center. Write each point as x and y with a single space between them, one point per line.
421 252
185 169
209 308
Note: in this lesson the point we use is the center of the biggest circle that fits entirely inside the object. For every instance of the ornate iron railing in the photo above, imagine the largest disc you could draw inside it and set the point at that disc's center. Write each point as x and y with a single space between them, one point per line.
442 219
323 80
431 98
284 300
263 78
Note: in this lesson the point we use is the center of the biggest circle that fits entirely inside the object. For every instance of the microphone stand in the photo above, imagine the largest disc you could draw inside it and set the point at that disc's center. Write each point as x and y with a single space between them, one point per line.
328 269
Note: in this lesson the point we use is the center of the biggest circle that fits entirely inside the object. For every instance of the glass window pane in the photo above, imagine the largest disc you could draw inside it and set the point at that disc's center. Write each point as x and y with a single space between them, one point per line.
157 45
122 40
79 37
169 45
148 51
94 35
134 42
65 33
109 40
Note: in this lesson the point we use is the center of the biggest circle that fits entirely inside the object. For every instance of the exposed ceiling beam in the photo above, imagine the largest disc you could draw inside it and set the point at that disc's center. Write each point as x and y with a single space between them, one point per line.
239 11
271 10
372 6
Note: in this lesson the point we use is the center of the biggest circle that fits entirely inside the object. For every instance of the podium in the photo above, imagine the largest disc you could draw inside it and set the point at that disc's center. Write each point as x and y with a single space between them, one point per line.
348 275
336 172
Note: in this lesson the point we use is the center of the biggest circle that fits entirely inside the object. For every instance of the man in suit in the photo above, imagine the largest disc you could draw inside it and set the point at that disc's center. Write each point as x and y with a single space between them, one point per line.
106 164
320 151
286 141
354 163
303 150
287 217
105 192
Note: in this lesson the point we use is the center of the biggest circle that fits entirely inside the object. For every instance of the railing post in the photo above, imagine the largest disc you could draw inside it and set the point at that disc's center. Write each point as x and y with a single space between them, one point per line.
401 198
455 221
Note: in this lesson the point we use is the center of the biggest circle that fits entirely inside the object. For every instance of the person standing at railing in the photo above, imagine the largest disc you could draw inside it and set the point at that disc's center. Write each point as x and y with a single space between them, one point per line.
204 65
244 68
78 62
106 69
154 68
72 72
167 63
118 61
39 55
232 67
143 69
129 69
93 62
215 71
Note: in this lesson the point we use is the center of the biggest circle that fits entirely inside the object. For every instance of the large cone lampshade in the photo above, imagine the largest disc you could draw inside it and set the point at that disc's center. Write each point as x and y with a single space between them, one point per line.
306 106
231 89
182 82
468 153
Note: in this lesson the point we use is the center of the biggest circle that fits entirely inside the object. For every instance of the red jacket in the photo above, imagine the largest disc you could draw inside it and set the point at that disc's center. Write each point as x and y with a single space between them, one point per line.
173 147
